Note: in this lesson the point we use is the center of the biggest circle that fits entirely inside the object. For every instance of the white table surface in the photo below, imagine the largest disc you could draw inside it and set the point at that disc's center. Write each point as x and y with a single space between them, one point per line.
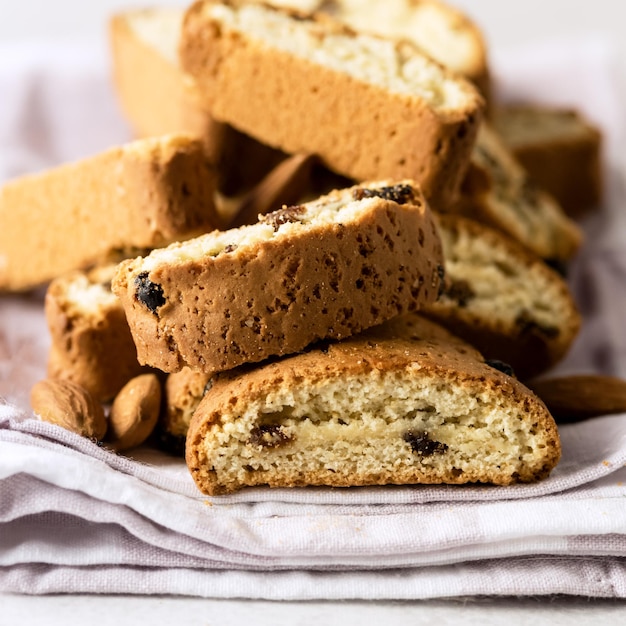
506 24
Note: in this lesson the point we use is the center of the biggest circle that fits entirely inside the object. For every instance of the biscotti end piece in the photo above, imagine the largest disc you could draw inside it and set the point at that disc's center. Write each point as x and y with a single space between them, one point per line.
387 109
503 299
402 407
91 342
498 192
138 196
560 150
325 269
157 98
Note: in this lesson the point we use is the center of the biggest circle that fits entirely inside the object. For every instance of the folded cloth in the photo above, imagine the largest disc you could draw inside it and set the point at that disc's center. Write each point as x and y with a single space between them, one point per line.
75 517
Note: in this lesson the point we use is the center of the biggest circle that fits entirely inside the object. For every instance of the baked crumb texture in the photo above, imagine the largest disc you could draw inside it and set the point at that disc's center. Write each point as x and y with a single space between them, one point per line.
138 196
387 109
442 31
327 268
503 299
399 405
498 192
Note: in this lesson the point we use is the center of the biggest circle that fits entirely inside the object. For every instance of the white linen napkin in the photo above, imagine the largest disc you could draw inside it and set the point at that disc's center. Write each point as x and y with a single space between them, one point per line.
75 517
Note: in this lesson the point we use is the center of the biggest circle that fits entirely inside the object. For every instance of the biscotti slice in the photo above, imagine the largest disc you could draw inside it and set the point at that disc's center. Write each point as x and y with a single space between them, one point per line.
442 31
141 195
91 341
560 150
369 107
325 269
157 98
498 192
405 404
503 299
183 392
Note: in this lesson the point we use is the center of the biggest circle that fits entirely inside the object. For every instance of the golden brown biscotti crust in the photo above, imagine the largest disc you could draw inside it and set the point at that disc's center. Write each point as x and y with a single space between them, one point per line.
90 345
300 274
373 409
284 100
503 299
142 195
146 68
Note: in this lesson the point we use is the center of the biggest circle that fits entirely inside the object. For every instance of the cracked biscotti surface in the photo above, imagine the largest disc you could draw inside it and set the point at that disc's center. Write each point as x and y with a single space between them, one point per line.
503 299
442 31
560 150
498 192
403 403
141 195
325 269
91 341
369 107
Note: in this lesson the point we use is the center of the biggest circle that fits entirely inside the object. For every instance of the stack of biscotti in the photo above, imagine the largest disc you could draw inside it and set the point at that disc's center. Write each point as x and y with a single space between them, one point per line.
293 340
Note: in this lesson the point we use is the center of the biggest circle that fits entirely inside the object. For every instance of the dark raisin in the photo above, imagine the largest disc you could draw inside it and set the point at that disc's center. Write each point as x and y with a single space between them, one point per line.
283 216
527 325
501 366
423 445
268 436
460 291
148 293
231 247
401 194
558 265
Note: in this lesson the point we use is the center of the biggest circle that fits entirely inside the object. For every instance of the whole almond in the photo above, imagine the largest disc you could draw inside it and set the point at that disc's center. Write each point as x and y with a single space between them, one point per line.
575 398
135 412
69 405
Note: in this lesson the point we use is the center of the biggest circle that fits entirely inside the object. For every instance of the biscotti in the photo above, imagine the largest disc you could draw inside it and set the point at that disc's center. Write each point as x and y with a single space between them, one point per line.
560 150
442 31
325 269
91 342
503 299
370 108
157 98
405 404
498 192
183 392
139 196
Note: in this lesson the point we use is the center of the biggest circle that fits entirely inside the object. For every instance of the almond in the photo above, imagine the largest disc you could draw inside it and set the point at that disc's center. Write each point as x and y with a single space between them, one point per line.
69 405
575 398
135 412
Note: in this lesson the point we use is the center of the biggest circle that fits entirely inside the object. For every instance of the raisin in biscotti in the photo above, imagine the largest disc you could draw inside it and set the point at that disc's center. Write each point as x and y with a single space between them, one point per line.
498 192
503 299
369 107
401 404
145 67
91 341
142 195
327 268
560 150
442 31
